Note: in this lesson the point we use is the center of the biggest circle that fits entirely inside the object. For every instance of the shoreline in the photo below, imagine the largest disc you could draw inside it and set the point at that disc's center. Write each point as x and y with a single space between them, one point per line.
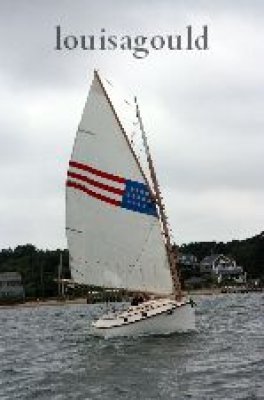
83 300
205 291
48 302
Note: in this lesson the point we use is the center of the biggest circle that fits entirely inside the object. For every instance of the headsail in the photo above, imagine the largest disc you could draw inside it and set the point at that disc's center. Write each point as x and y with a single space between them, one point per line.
113 232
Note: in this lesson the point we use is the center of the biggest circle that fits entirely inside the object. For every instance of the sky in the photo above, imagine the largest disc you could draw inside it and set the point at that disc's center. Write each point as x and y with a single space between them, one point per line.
202 110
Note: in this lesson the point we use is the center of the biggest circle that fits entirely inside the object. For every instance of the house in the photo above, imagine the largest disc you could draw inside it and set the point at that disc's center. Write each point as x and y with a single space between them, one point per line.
11 288
187 259
189 271
188 263
223 267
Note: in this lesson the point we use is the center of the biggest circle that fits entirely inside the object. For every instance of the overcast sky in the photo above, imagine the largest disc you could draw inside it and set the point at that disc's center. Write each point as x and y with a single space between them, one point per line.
203 112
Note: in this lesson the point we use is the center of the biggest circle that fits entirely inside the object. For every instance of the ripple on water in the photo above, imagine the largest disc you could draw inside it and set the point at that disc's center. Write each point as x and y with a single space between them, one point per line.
48 353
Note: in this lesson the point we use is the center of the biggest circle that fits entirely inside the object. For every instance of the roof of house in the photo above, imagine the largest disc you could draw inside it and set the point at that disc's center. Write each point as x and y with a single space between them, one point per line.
10 276
212 258
187 258
234 271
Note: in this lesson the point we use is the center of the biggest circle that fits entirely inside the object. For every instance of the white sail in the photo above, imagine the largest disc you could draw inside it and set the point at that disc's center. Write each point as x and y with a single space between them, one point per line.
113 232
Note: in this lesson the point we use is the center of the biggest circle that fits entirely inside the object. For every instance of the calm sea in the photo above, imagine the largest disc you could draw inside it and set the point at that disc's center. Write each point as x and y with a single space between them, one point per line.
47 353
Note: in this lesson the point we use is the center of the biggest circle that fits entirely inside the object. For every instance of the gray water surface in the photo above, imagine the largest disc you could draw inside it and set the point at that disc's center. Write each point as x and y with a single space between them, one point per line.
47 353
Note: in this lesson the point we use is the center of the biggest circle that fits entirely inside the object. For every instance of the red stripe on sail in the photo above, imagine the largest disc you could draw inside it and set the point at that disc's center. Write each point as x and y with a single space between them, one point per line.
92 193
96 184
97 172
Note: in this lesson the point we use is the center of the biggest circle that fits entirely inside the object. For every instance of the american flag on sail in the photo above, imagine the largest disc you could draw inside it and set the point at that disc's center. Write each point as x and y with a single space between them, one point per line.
110 188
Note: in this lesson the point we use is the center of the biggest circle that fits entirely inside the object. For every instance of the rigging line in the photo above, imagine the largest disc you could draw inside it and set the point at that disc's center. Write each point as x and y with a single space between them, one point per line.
123 98
163 217
110 83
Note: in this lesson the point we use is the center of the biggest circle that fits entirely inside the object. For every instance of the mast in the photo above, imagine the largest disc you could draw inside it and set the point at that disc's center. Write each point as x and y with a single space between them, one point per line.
172 257
59 276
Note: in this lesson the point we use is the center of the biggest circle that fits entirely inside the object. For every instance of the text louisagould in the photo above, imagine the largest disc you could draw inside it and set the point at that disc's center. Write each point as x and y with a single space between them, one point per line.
140 45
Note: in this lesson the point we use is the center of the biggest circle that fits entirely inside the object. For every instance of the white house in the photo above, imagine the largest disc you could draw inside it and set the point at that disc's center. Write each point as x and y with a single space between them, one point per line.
11 287
223 267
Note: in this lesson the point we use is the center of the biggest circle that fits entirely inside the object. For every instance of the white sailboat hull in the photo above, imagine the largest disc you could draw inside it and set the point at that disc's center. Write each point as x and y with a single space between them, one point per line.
165 317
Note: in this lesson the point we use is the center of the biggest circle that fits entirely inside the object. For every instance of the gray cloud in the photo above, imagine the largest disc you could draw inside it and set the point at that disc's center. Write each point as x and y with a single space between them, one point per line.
203 112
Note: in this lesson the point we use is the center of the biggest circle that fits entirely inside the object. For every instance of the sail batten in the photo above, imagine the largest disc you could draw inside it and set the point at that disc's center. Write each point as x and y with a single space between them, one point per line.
113 234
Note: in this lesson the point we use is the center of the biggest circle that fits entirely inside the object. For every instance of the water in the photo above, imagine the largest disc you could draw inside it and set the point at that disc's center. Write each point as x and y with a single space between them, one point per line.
47 353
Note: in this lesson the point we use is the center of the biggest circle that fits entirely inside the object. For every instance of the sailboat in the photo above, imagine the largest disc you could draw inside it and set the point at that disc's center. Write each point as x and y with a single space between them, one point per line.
116 226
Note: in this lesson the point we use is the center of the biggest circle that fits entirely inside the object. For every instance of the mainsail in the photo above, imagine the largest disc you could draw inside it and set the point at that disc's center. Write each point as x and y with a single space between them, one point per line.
112 227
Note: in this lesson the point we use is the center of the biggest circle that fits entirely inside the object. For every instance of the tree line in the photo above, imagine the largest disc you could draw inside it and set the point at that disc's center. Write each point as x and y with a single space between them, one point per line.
39 268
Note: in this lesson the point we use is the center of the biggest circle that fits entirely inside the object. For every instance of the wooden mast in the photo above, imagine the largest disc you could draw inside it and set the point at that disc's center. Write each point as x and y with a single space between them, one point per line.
172 257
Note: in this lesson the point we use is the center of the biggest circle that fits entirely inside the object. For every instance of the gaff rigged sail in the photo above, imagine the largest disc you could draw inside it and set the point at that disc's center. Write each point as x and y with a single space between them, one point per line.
113 231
